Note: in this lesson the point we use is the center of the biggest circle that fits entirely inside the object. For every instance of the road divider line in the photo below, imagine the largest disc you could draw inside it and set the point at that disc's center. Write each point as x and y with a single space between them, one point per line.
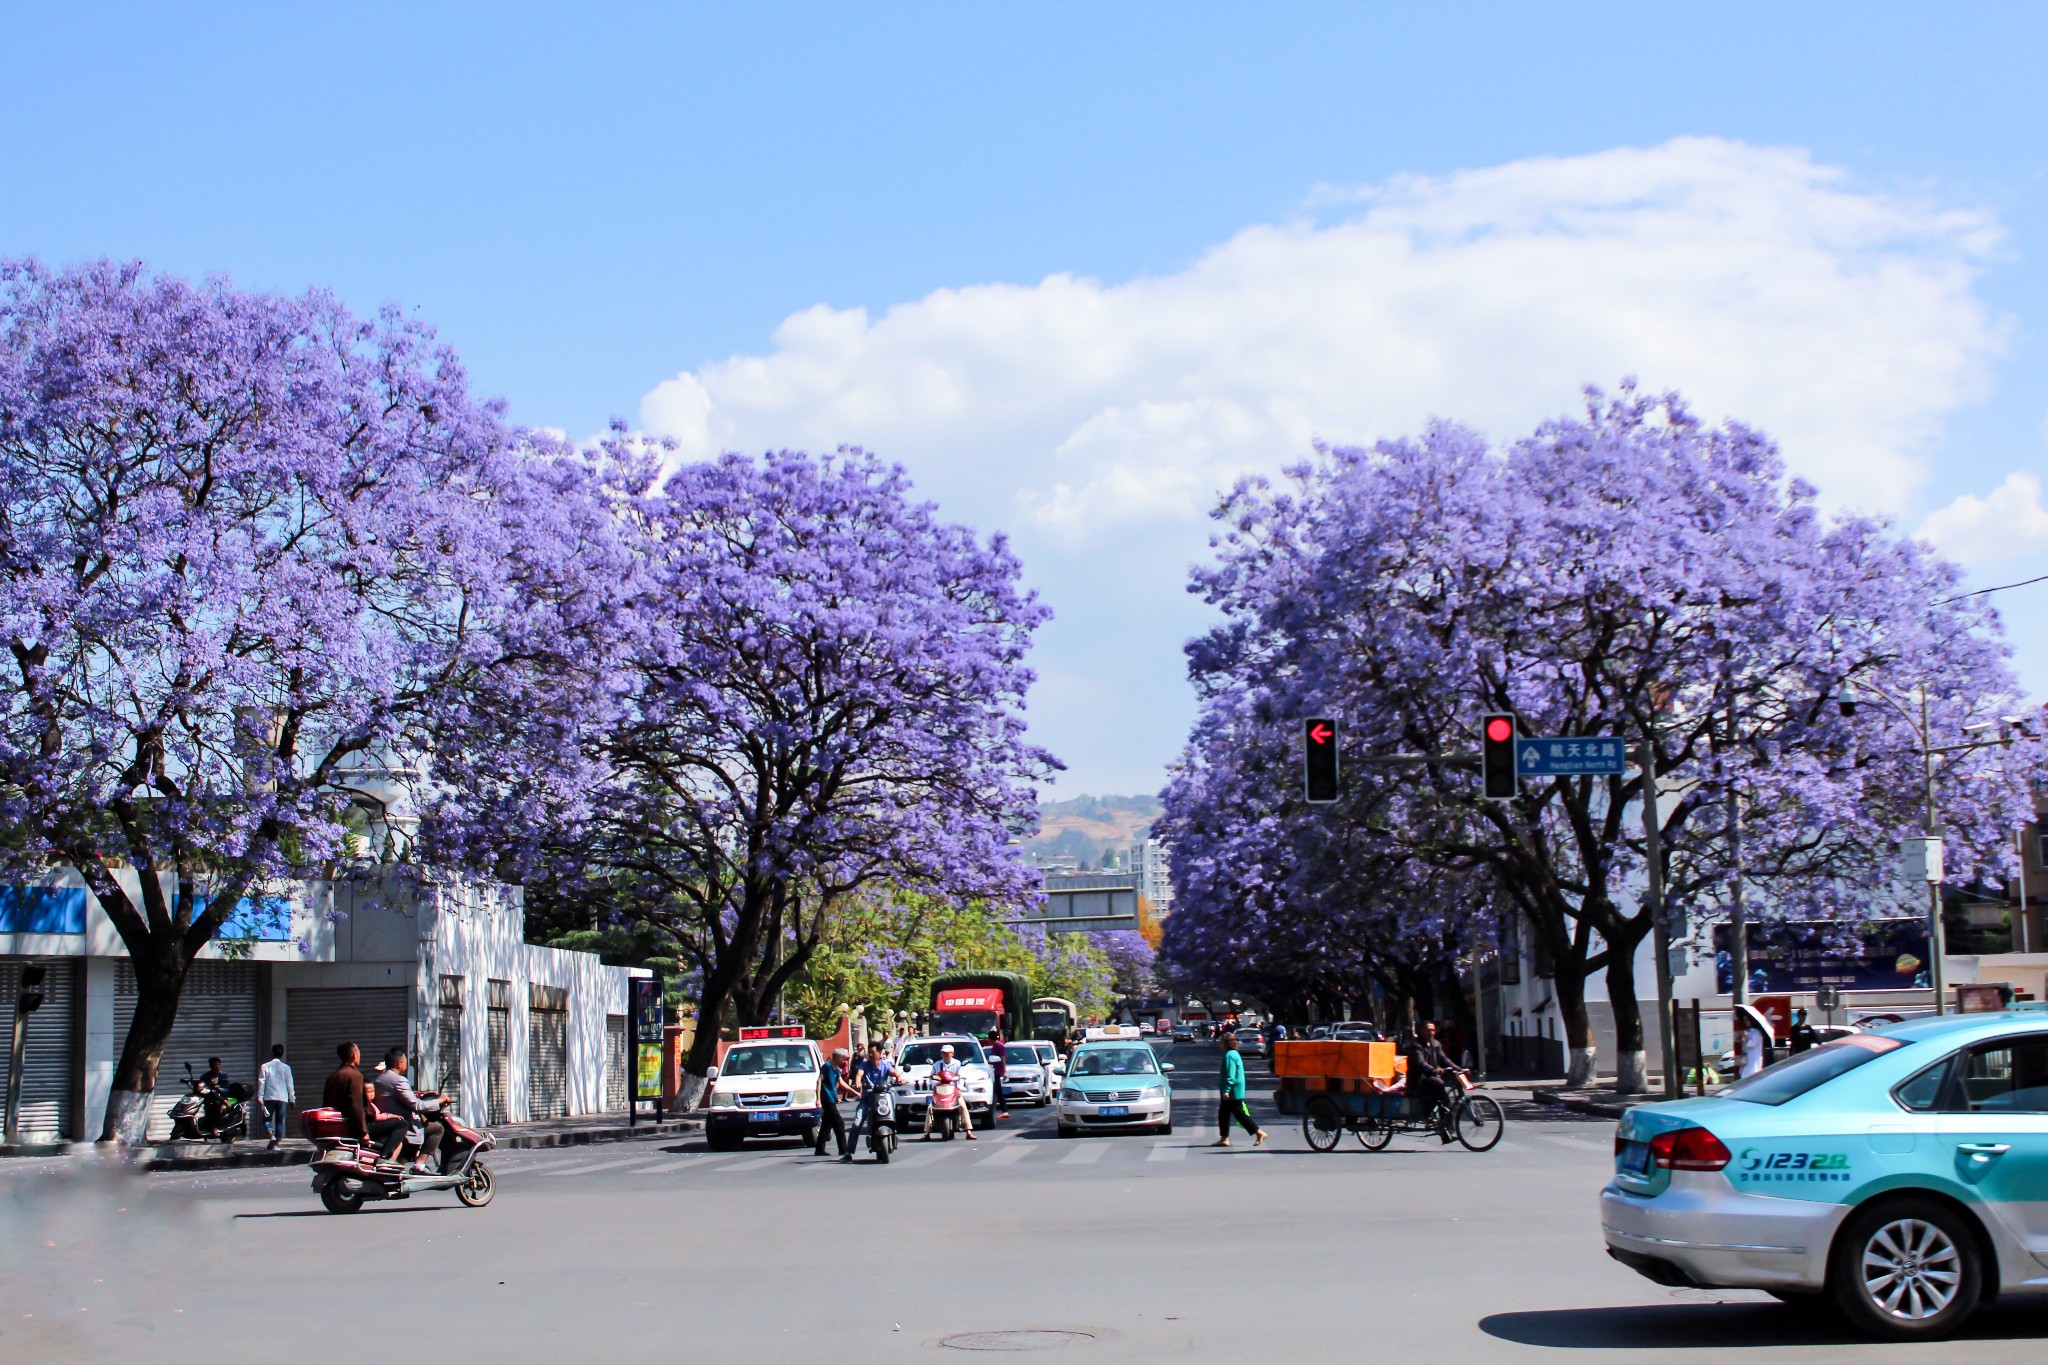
1163 1151
1086 1156
926 1156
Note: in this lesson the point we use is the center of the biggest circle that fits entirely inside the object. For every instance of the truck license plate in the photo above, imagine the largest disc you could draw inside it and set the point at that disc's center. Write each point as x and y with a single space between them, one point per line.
765 1118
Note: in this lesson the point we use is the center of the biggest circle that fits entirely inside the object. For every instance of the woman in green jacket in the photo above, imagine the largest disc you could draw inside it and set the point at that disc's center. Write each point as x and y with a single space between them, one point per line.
1233 1104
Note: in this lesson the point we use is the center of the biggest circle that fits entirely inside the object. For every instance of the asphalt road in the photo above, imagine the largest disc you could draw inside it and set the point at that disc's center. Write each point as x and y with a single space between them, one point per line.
1138 1248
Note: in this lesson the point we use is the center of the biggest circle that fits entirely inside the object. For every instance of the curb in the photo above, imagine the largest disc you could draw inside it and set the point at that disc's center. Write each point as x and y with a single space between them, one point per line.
182 1157
206 1157
1597 1108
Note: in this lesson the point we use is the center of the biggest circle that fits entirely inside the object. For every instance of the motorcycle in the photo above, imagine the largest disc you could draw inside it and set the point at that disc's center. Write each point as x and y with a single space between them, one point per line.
226 1119
882 1127
945 1109
347 1172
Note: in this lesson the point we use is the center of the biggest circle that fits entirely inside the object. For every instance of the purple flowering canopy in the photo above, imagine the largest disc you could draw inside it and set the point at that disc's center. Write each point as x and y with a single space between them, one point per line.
1625 573
806 685
245 541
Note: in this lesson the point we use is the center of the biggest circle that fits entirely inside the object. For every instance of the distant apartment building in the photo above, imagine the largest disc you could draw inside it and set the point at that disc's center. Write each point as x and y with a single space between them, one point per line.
1150 861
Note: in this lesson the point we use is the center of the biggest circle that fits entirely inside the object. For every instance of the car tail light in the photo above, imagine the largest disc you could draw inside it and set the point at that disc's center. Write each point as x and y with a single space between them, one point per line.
1688 1149
1619 1141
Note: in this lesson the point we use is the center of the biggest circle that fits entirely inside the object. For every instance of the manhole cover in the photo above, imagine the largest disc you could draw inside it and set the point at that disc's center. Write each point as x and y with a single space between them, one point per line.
1016 1341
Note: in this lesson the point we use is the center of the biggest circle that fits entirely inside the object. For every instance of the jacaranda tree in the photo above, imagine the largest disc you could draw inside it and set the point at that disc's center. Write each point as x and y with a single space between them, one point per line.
1630 573
244 540
810 686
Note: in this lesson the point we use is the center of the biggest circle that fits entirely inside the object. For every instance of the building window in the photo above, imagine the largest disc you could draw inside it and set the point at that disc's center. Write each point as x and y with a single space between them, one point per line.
2041 850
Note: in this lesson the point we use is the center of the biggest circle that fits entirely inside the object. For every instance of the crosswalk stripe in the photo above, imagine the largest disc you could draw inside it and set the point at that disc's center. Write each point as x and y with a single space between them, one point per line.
636 1159
1005 1156
1162 1151
1086 1156
926 1156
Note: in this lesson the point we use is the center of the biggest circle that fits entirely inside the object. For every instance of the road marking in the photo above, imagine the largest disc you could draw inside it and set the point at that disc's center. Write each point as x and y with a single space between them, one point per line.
590 1166
1086 1156
1005 1156
1162 1151
683 1163
927 1156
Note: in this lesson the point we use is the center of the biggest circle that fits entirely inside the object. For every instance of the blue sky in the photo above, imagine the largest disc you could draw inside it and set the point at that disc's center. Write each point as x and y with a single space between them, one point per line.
1078 266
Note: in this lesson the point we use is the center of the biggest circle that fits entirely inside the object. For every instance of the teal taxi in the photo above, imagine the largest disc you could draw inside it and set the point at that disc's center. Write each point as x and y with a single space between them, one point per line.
1115 1082
1903 1173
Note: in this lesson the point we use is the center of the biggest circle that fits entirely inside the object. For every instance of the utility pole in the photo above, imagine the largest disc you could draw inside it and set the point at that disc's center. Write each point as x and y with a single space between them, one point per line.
1653 849
1937 937
1738 913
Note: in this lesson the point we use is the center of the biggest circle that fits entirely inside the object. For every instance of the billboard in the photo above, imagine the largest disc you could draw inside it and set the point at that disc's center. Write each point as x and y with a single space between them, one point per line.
1795 956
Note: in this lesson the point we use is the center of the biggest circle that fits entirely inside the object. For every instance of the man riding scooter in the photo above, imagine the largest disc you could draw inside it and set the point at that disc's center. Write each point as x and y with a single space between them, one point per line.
394 1095
946 1073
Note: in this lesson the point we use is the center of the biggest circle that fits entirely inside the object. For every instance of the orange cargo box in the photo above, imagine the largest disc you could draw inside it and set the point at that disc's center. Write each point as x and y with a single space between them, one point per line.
1355 1061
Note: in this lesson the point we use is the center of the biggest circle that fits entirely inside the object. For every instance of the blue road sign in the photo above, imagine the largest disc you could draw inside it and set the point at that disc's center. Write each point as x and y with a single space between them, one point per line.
1579 756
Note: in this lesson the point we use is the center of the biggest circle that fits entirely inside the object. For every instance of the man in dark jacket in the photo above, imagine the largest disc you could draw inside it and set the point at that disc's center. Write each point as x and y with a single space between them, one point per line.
346 1090
1429 1071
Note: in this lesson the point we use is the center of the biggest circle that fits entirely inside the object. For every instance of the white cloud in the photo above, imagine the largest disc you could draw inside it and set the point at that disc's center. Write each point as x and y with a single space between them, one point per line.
1098 421
1761 284
1978 532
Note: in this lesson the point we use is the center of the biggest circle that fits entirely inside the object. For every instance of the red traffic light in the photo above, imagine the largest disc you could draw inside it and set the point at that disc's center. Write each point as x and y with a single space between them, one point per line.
1320 733
1500 729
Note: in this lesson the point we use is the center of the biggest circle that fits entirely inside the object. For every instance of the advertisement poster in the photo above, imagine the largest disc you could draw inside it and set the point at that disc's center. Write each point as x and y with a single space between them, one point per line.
1795 956
647 1031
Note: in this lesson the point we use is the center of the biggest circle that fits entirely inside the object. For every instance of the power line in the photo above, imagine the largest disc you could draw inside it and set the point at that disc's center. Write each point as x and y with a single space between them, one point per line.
2000 588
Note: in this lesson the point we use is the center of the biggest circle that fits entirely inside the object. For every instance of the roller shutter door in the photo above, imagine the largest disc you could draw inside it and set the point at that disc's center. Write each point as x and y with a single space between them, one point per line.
50 1061
448 1041
216 1018
615 1072
547 1052
317 1022
499 1018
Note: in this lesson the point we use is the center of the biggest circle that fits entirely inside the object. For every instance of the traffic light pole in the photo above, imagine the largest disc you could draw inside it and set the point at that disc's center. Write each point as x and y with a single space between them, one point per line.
1653 850
14 1062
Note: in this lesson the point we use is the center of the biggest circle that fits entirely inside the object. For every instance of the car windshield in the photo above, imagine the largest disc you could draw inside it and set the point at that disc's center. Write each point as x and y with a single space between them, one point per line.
1014 1057
1114 1061
767 1061
927 1054
1793 1077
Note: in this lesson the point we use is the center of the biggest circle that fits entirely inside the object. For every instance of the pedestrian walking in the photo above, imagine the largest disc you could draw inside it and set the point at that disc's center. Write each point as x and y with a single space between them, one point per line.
999 1060
833 1086
277 1092
1231 1104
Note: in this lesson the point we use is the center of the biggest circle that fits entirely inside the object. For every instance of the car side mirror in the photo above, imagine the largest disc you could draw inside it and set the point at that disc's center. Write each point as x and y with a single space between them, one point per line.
710 1073
1167 1067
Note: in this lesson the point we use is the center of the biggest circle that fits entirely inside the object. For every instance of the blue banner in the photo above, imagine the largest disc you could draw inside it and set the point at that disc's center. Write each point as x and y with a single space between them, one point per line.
42 910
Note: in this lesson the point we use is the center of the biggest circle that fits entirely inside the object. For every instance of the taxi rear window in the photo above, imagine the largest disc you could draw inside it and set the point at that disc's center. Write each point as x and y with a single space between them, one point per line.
1793 1077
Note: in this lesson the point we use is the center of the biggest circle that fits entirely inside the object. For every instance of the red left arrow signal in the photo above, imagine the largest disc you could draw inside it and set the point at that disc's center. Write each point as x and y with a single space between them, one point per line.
1320 733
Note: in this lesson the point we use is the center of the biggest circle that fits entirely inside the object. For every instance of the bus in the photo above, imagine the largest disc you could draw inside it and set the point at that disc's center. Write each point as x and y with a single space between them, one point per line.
1053 1018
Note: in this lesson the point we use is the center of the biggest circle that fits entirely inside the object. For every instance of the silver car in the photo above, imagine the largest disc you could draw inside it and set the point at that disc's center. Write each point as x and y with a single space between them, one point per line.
1026 1079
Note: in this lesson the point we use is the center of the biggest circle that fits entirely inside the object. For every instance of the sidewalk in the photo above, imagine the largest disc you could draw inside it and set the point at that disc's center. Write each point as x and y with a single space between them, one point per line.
209 1156
1601 1101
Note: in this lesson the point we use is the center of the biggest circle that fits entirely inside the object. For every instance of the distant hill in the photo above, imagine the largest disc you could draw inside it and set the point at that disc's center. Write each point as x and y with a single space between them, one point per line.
1089 826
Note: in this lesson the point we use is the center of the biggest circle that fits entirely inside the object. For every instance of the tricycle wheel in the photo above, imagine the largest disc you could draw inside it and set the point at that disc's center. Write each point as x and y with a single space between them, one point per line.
1322 1125
1373 1134
1479 1122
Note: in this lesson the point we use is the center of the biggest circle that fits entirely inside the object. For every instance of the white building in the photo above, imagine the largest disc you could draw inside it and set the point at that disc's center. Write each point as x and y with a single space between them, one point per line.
1152 861
514 1030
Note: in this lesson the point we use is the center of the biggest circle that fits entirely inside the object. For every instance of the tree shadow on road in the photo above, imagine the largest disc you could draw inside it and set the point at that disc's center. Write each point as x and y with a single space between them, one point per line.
367 1210
1724 1327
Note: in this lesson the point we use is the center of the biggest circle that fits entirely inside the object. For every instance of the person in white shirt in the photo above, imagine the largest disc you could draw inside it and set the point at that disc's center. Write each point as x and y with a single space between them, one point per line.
275 1089
1751 1054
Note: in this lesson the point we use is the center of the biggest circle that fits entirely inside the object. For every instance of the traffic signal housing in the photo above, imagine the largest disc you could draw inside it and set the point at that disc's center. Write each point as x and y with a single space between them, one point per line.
1319 760
1497 756
29 998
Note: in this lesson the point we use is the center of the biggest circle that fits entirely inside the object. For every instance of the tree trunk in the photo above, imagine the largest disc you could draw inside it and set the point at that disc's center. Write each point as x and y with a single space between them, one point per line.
1578 1026
1631 1057
159 983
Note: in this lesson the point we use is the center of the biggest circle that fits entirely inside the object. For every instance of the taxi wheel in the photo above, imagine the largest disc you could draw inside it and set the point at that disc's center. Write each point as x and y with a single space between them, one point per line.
721 1142
1908 1269
1066 1130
